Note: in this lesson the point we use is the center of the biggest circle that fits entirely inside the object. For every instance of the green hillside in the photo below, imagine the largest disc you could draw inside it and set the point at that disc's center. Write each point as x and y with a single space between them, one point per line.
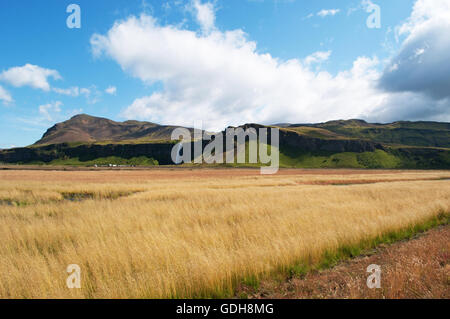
426 134
378 159
88 141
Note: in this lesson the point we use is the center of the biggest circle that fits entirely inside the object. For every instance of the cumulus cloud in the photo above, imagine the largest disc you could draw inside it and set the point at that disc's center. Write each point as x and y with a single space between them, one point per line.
328 12
422 65
49 110
29 75
222 79
5 96
411 106
204 13
112 90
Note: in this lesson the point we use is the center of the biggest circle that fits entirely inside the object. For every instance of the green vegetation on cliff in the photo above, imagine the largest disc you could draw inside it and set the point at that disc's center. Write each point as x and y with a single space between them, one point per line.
87 141
378 159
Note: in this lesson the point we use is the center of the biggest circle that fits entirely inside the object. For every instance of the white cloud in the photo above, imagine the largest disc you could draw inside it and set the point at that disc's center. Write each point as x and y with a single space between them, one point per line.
317 57
330 12
112 90
426 14
73 91
323 13
5 96
30 75
85 91
366 5
49 110
92 94
205 14
222 79
422 65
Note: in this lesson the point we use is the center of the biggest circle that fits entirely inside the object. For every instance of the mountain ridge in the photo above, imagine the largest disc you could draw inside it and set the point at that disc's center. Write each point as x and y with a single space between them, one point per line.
87 128
91 129
85 140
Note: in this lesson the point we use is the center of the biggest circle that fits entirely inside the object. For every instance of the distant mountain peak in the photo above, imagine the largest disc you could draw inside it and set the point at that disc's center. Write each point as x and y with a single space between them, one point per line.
81 116
88 128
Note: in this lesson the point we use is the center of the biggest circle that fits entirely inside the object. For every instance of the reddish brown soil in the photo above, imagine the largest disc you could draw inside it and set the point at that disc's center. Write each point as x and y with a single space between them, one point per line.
365 181
418 268
142 174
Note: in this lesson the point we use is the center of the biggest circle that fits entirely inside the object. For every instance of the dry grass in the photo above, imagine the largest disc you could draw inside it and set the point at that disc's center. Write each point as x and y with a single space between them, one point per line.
418 268
153 234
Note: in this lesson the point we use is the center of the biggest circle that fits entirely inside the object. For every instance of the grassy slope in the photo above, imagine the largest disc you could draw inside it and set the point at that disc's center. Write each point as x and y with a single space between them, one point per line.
115 160
378 159
291 158
406 135
423 134
396 137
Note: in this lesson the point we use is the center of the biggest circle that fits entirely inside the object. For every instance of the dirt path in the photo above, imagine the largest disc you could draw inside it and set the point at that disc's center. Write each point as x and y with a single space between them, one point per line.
418 268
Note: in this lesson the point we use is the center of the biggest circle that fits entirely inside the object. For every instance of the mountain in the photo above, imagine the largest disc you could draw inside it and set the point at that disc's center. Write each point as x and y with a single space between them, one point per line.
87 140
425 134
421 145
90 129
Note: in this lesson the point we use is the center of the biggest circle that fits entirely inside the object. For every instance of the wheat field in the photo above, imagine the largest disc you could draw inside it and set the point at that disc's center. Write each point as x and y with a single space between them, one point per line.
188 233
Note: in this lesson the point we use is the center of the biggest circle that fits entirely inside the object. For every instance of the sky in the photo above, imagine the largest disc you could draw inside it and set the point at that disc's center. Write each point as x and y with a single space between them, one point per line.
221 62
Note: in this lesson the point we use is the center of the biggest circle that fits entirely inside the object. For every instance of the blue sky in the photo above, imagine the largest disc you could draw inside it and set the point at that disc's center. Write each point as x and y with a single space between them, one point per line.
223 62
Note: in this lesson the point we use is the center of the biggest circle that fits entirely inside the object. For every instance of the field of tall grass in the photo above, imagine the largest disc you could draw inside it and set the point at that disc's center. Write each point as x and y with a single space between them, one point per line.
165 234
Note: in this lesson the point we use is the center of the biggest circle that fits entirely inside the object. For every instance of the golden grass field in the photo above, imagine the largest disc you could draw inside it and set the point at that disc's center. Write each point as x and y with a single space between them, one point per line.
192 233
411 269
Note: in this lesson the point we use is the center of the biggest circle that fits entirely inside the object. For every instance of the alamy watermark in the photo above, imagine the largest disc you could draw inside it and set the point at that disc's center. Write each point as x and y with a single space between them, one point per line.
74 278
203 147
374 279
374 19
74 19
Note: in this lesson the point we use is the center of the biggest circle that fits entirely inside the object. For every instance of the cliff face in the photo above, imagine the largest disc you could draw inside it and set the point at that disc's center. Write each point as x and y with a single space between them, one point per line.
369 143
160 152
423 134
294 140
310 144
